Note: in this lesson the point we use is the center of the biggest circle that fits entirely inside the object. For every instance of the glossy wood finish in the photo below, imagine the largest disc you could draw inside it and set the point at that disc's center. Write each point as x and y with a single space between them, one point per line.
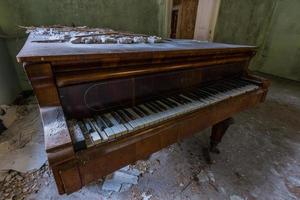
119 74
108 94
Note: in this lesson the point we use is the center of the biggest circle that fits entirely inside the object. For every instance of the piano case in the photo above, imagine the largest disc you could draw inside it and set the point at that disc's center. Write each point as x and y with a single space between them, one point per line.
75 83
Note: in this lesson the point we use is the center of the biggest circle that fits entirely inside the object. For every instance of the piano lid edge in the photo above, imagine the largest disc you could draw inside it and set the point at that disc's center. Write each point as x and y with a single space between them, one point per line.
152 54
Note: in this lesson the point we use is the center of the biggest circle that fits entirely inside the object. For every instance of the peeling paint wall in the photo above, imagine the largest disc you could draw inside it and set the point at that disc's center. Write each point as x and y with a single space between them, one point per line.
140 16
9 84
272 25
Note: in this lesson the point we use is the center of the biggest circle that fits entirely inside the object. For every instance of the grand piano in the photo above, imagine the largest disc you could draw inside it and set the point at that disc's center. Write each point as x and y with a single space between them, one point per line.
107 105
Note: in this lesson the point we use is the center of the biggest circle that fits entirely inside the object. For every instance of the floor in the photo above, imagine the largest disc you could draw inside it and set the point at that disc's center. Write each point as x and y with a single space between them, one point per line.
260 159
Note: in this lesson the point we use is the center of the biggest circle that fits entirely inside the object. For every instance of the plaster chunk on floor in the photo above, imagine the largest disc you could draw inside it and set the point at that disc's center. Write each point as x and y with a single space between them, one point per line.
236 197
30 158
145 196
206 176
125 187
121 180
294 181
131 170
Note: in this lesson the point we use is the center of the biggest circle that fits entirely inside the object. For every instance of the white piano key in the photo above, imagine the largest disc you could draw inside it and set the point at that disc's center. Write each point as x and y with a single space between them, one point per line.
153 116
95 137
138 122
119 129
108 131
101 133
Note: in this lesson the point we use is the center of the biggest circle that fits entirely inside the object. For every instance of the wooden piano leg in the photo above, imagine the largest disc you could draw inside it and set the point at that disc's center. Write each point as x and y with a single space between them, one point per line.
218 131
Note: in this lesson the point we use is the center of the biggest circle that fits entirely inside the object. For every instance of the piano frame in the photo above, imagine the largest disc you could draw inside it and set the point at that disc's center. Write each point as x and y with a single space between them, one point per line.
50 66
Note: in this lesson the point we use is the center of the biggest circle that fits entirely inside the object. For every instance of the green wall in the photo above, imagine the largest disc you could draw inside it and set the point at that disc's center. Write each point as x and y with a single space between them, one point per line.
272 25
9 84
140 16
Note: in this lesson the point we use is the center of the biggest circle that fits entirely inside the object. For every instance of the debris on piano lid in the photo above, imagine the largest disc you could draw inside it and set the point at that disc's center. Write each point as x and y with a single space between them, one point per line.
86 35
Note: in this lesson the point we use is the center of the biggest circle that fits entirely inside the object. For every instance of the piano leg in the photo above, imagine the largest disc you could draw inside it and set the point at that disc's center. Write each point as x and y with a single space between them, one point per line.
218 131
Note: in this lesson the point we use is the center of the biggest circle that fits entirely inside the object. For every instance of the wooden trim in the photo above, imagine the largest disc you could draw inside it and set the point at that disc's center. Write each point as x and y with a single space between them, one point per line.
65 79
118 56
42 81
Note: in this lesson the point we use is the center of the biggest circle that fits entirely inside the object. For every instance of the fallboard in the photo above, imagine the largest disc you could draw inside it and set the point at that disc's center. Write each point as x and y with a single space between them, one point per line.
85 100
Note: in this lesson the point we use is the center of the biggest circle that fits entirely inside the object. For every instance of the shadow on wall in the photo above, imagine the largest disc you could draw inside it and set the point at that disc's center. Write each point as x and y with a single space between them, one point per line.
9 82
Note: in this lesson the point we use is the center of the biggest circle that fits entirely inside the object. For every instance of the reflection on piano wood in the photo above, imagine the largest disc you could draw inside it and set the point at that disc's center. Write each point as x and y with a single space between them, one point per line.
106 106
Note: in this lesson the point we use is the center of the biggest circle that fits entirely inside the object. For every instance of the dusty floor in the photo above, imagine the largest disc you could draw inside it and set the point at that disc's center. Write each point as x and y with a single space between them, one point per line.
260 159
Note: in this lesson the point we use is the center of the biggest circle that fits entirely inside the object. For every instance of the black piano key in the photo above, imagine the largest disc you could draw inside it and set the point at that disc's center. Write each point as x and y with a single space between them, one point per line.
171 102
164 103
190 96
117 118
220 89
85 132
188 100
179 99
209 90
171 105
161 106
190 93
233 85
237 83
100 123
229 86
226 87
244 82
138 112
204 92
143 110
156 106
223 88
107 121
150 107
250 81
213 90
78 137
201 94
193 96
176 100
87 126
184 99
123 116
129 115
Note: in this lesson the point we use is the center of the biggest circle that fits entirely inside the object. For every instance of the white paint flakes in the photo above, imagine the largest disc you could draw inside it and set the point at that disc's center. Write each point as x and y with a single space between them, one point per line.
145 196
236 197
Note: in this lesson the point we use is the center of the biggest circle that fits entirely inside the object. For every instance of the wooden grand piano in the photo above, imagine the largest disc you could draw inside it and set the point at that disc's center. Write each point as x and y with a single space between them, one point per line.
105 106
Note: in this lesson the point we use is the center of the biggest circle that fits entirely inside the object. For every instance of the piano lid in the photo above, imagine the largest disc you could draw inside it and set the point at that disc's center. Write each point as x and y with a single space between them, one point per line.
55 51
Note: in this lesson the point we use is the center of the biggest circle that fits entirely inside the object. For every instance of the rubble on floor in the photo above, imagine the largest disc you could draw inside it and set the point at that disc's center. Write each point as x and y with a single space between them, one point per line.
121 180
236 197
16 185
22 151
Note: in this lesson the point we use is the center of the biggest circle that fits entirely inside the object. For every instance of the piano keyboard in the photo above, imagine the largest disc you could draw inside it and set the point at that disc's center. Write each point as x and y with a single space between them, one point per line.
107 126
